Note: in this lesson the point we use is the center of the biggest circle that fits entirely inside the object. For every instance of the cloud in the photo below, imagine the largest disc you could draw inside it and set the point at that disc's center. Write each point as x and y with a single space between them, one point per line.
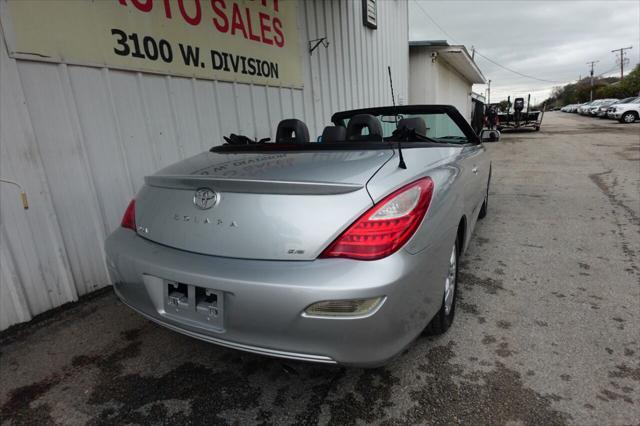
551 40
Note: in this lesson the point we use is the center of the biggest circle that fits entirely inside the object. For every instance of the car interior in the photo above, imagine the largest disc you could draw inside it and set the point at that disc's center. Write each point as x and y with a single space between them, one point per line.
373 126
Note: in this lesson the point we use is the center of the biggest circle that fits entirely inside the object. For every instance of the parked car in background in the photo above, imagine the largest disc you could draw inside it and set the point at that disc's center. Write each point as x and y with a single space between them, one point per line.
601 109
623 101
628 112
581 108
592 106
578 106
567 108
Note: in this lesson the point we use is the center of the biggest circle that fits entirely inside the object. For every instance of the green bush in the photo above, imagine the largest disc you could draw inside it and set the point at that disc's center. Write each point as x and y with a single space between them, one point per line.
610 87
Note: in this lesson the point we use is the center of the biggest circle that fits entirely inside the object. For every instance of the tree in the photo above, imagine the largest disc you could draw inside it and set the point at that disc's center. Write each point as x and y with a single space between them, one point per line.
608 87
625 88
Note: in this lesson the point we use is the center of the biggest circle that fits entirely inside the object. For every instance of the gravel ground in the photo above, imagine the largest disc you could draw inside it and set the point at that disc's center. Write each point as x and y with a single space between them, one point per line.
547 330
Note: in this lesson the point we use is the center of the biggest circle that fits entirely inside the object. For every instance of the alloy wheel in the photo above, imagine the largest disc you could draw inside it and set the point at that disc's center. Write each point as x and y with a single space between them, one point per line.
450 282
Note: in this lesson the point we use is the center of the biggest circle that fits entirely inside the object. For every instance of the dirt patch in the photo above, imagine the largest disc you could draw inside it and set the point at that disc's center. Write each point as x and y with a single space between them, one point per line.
206 393
476 400
598 179
480 241
503 350
489 285
367 403
505 325
488 340
609 395
623 371
20 407
468 308
78 309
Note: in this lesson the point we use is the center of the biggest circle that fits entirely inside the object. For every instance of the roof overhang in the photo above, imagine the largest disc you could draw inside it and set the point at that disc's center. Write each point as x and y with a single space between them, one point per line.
456 56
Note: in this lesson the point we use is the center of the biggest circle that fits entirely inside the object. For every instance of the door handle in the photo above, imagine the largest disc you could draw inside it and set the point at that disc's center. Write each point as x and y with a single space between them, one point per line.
475 170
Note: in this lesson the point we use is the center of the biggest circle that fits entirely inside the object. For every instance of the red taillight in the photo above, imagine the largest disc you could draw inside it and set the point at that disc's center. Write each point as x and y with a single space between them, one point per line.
129 218
387 226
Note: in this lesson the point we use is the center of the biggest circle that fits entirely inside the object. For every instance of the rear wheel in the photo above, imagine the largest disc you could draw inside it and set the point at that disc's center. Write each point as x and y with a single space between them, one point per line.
628 117
444 318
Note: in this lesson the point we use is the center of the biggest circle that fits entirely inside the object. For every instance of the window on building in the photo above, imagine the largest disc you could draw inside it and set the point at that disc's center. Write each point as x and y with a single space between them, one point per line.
370 13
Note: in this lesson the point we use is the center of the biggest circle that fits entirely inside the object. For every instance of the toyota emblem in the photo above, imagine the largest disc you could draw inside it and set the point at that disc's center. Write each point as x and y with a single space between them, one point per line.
204 198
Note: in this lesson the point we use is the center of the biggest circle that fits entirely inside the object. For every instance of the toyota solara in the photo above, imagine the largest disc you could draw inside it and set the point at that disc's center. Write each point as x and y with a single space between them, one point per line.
337 250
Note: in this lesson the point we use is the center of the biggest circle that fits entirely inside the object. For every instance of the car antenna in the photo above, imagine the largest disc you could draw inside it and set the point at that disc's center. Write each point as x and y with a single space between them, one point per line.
402 164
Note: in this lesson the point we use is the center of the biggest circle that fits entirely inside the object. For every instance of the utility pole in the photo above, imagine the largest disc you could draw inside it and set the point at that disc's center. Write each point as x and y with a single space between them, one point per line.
489 93
621 50
592 63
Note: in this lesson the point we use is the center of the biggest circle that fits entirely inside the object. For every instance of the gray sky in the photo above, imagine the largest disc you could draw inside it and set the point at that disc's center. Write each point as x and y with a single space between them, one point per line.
550 40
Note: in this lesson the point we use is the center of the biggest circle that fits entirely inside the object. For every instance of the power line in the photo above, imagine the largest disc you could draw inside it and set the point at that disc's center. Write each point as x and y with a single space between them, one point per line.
435 23
517 72
480 54
608 71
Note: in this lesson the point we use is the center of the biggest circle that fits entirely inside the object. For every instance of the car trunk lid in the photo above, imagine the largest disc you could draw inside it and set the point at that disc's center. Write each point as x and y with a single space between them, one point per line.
276 206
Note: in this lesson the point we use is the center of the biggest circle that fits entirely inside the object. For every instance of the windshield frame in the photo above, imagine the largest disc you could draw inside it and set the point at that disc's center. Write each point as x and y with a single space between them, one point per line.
473 139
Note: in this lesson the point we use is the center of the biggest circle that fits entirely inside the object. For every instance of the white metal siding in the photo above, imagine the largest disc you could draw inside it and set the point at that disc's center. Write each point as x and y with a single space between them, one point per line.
80 140
454 89
436 82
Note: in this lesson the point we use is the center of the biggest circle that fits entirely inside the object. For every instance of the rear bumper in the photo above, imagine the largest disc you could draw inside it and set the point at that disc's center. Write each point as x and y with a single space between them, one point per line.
264 300
247 348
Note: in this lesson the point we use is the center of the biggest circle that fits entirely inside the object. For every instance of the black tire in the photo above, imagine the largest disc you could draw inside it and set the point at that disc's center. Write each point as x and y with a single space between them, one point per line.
441 322
628 117
537 128
485 204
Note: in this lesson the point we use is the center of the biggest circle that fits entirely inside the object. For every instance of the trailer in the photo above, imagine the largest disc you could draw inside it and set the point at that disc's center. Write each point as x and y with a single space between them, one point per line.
518 117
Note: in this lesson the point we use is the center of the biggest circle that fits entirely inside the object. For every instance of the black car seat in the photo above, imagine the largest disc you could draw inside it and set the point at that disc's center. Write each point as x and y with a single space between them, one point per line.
361 121
415 123
292 130
333 134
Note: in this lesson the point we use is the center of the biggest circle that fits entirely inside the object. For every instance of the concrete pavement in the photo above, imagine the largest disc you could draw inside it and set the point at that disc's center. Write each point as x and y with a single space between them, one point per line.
547 329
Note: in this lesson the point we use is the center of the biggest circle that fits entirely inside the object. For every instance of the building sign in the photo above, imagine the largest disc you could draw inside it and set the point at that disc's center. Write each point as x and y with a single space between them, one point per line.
251 41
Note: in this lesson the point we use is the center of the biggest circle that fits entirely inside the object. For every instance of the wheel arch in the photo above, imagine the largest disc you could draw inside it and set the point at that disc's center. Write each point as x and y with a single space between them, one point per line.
461 234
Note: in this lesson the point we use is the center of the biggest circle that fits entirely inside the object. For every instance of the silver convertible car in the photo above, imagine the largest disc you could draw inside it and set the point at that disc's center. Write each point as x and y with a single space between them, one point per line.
337 250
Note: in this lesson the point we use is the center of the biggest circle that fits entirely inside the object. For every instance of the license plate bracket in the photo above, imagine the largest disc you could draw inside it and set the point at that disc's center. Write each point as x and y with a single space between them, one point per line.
194 303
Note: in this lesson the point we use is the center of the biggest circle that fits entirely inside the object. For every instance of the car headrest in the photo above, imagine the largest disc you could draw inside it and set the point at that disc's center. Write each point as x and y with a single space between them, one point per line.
292 130
359 122
415 123
332 134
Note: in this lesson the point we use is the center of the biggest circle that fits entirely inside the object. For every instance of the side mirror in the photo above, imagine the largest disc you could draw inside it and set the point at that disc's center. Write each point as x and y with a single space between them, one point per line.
489 135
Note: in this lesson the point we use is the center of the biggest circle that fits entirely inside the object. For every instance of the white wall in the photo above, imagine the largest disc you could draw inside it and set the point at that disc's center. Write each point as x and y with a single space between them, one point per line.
81 140
436 82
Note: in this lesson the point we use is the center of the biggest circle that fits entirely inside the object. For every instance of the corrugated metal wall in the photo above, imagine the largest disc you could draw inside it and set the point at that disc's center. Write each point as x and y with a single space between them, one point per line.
80 140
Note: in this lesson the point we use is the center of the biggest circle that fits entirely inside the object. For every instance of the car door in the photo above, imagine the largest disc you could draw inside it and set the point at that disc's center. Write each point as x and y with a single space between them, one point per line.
475 168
